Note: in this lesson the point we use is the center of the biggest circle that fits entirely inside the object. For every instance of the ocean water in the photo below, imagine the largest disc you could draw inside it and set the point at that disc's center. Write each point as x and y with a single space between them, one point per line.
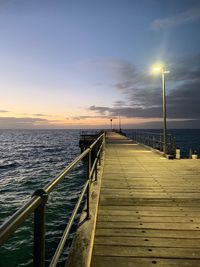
29 160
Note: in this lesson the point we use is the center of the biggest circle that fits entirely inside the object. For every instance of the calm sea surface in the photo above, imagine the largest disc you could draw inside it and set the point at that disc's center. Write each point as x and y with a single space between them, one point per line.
29 160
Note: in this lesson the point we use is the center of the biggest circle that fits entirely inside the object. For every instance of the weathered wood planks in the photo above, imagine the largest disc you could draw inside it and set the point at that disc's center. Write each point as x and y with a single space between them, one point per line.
149 211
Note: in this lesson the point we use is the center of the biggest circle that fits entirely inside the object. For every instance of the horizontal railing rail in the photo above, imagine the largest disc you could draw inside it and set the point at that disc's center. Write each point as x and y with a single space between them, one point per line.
37 205
155 140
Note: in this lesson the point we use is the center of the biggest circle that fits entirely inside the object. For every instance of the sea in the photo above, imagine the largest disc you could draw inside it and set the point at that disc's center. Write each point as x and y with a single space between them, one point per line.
32 158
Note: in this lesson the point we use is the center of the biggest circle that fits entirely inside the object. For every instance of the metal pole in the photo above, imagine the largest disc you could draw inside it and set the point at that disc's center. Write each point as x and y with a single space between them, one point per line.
153 141
120 124
88 187
88 201
99 157
96 158
39 230
96 170
161 145
164 114
174 146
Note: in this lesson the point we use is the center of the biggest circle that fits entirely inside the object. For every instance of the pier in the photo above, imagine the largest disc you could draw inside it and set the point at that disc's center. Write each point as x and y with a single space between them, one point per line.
141 209
149 208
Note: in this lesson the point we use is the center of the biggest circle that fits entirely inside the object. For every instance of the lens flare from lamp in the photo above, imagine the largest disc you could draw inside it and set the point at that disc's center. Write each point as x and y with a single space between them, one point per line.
157 68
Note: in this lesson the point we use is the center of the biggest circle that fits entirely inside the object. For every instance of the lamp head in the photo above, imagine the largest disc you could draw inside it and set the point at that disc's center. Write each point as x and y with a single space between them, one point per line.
159 69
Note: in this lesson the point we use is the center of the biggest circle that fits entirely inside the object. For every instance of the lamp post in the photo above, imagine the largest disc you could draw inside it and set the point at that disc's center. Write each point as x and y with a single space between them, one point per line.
161 69
120 124
111 125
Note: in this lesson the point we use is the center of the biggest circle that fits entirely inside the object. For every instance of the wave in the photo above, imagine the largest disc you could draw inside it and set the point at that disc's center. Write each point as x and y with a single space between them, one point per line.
9 165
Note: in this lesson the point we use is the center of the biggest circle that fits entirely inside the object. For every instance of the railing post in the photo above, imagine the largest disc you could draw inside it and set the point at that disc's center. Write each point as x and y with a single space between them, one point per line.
96 159
99 157
104 141
161 146
88 201
39 230
96 171
88 187
174 146
89 163
153 141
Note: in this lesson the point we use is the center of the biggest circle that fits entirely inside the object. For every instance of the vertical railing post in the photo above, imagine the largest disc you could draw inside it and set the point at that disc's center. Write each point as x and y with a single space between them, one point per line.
161 145
89 163
104 141
174 146
99 159
88 187
96 160
88 201
96 171
39 230
153 141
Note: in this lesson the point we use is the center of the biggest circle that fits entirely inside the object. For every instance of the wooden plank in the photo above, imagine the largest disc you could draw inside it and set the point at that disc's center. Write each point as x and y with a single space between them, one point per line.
127 251
136 188
144 213
148 233
103 261
138 208
146 225
115 201
146 242
148 219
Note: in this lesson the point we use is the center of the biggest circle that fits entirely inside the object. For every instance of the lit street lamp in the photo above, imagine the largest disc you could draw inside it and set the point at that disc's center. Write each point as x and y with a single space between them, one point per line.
161 69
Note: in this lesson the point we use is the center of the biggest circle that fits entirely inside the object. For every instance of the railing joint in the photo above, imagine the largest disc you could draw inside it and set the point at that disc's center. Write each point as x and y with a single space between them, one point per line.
41 193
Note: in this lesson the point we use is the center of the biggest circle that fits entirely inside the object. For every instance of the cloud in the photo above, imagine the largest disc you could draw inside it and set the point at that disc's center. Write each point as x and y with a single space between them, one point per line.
188 16
22 123
144 95
101 110
111 68
182 103
90 117
182 124
119 103
41 115
185 68
3 111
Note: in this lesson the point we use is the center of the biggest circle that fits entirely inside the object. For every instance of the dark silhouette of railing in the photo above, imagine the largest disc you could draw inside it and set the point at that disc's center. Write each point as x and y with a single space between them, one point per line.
37 204
155 140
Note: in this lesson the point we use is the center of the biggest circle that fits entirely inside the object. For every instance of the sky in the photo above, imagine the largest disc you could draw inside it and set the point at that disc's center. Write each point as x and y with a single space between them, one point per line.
78 64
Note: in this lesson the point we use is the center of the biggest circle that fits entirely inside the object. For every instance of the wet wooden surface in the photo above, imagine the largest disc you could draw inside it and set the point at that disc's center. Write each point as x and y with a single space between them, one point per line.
149 211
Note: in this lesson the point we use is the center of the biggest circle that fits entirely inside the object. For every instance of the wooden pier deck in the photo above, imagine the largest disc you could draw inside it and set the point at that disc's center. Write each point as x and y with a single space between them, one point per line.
149 209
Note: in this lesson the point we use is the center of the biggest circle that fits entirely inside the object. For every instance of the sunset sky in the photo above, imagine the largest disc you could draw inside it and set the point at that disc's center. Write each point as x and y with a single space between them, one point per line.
77 64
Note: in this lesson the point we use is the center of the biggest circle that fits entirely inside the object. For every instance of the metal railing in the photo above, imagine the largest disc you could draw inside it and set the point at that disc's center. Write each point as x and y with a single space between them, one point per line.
37 204
155 140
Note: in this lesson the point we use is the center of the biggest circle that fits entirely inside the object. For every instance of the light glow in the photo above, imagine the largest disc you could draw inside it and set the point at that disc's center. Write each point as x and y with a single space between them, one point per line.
157 68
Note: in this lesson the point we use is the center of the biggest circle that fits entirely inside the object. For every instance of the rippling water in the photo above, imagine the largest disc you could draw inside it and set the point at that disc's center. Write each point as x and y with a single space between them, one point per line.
29 160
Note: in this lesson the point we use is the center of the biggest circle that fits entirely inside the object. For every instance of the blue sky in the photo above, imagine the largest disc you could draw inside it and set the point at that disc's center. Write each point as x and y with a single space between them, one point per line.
75 64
